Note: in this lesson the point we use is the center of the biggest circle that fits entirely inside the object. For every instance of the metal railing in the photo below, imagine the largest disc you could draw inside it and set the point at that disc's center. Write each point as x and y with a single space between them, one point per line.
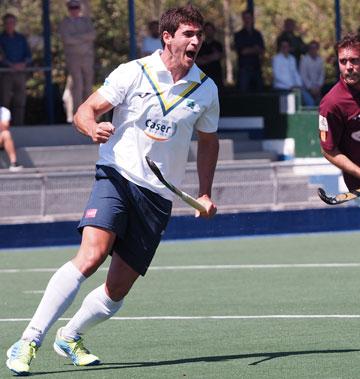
37 196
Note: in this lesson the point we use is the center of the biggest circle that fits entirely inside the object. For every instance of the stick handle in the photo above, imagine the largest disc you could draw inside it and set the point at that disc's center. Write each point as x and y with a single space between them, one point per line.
192 202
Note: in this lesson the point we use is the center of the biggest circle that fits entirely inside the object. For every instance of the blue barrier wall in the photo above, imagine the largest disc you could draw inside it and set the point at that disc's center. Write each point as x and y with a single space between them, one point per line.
184 227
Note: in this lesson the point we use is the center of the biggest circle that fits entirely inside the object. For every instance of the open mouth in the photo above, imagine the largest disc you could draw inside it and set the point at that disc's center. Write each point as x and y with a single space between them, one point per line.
190 54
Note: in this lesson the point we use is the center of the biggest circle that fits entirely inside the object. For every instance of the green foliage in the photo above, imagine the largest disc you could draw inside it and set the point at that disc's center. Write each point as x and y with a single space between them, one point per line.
315 21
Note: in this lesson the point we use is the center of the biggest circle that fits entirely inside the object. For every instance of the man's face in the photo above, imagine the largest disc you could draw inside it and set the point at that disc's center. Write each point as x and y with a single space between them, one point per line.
289 25
209 32
248 20
185 44
154 30
10 25
349 65
313 50
74 11
285 47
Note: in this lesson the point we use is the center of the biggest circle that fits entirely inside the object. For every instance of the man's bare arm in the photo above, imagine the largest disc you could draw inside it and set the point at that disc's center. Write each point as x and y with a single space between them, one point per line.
207 155
341 161
85 119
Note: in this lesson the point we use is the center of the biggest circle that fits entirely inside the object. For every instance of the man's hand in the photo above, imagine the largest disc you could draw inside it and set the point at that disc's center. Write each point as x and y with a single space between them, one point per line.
18 66
209 206
102 131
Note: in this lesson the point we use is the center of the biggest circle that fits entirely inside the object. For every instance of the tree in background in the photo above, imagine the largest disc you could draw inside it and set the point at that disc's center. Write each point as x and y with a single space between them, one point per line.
315 20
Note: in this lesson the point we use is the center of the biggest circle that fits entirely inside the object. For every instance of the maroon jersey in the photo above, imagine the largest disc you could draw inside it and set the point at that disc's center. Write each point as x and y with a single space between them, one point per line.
339 125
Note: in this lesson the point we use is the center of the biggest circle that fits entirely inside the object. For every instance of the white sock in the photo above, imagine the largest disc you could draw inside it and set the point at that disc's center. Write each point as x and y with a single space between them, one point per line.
59 294
96 307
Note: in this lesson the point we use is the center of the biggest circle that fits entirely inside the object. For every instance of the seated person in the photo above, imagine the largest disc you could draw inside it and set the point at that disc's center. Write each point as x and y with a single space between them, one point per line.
6 141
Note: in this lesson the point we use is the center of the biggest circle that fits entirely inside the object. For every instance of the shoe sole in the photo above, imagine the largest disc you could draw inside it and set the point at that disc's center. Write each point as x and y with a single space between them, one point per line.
62 353
18 373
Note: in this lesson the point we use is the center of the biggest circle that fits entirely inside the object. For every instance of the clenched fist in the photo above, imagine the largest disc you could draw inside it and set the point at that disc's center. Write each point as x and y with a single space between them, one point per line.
102 131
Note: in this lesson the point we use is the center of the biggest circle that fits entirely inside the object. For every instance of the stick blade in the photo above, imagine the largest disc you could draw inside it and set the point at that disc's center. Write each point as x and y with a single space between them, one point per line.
326 199
154 168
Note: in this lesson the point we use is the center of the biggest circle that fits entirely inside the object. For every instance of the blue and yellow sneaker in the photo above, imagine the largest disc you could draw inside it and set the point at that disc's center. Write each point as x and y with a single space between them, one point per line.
75 350
20 355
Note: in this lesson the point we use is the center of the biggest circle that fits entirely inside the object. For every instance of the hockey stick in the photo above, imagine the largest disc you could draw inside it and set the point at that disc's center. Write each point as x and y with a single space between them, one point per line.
183 195
339 198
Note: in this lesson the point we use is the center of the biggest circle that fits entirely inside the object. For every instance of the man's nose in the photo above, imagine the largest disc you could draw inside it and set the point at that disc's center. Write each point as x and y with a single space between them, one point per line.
349 65
196 39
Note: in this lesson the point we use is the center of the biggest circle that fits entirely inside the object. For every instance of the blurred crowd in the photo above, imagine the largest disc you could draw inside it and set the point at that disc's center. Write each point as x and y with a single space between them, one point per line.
296 66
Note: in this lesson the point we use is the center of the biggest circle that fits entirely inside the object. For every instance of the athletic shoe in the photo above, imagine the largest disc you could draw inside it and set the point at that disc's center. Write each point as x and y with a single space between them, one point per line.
15 167
75 350
20 356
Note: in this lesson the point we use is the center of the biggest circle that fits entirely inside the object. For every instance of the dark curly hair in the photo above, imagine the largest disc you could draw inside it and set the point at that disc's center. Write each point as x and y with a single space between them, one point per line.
172 18
349 40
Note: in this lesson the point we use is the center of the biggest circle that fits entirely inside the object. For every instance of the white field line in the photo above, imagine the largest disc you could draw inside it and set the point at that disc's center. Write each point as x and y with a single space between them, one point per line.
206 267
190 318
31 292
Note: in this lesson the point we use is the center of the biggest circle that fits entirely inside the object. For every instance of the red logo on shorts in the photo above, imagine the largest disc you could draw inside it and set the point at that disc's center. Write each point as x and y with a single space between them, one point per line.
90 213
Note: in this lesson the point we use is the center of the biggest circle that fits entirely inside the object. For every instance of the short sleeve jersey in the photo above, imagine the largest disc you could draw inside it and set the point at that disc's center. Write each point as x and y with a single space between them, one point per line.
5 115
155 117
339 125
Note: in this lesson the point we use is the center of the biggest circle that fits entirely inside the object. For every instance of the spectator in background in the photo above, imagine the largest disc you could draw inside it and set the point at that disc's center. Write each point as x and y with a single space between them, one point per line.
286 76
210 55
78 34
249 45
16 56
6 141
152 41
312 71
297 45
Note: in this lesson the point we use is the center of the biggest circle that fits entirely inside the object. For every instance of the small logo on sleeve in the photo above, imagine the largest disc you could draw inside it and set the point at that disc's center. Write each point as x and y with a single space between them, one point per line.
323 128
323 124
90 213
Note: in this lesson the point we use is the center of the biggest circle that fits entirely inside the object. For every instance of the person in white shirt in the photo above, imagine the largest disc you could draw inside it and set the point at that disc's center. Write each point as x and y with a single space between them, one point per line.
151 42
286 76
6 140
158 102
312 71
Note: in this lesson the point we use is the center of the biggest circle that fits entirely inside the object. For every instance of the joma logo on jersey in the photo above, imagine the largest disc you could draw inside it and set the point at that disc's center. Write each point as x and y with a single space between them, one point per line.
160 130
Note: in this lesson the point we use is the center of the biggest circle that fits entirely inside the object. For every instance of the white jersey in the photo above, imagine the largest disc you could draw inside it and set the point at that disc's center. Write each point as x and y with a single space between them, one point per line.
5 115
156 117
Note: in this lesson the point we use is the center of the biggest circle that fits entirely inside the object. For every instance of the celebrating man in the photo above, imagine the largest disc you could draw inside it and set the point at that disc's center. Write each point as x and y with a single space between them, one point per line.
129 208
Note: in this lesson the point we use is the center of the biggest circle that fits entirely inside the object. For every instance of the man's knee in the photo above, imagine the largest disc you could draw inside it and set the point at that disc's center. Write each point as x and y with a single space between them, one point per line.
95 247
120 279
6 135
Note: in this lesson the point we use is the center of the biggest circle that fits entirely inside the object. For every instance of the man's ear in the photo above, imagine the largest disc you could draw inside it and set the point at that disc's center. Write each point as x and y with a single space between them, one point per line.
166 37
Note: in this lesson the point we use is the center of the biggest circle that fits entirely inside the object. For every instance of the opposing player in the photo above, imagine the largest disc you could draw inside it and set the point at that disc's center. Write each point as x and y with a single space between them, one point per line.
158 101
339 119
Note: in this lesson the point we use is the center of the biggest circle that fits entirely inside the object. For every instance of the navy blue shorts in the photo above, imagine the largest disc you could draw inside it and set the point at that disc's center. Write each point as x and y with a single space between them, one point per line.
135 214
